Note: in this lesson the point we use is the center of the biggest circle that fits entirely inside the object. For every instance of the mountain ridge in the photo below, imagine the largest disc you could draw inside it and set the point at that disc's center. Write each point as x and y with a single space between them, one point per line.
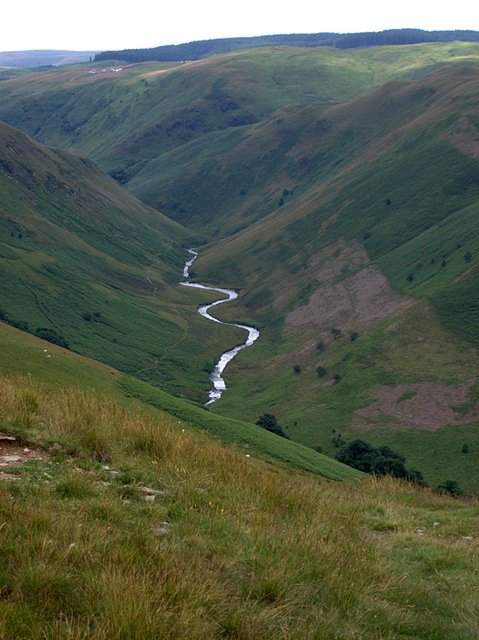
199 49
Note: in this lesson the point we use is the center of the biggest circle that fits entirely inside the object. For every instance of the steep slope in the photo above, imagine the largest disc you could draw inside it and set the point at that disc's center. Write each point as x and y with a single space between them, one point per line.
364 281
27 357
87 266
123 523
165 131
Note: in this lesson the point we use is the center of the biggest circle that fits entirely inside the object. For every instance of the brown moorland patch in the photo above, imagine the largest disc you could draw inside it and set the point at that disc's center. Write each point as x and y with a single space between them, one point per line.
422 405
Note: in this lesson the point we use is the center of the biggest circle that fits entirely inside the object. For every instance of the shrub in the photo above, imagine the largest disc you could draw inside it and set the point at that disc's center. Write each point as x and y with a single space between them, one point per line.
50 335
269 422
209 367
450 487
381 461
297 369
321 371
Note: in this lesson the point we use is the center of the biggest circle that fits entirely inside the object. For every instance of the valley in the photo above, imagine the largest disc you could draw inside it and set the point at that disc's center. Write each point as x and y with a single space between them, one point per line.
338 191
325 484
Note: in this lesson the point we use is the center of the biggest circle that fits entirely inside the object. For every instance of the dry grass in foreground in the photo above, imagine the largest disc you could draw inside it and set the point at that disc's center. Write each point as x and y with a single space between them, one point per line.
134 528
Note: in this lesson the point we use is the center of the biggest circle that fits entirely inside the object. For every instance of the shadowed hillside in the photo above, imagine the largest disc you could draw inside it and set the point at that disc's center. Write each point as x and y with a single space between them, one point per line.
87 266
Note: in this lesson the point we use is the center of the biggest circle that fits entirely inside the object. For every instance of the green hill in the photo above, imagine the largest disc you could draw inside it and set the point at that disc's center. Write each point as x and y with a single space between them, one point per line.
205 48
341 190
121 521
365 277
166 130
87 266
25 356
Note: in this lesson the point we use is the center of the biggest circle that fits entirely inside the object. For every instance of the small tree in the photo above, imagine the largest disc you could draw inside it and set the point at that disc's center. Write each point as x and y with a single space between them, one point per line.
297 369
321 371
358 454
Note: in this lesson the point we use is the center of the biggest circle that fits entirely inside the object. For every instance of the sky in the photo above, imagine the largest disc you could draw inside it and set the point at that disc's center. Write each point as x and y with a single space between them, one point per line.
109 25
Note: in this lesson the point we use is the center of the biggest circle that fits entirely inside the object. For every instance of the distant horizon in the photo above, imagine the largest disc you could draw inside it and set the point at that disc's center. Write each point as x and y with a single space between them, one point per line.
107 26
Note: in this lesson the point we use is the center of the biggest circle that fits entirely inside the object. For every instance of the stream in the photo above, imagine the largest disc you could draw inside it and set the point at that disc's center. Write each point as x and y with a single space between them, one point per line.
253 334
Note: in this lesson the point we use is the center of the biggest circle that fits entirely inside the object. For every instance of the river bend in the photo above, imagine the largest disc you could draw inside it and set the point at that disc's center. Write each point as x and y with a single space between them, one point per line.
253 334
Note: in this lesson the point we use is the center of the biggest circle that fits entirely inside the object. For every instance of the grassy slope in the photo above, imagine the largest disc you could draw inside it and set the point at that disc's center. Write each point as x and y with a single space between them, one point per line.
57 368
424 225
229 547
336 158
161 128
82 257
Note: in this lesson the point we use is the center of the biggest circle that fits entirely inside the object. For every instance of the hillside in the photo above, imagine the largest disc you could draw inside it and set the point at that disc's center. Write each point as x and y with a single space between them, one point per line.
364 281
168 132
338 190
120 521
25 356
89 267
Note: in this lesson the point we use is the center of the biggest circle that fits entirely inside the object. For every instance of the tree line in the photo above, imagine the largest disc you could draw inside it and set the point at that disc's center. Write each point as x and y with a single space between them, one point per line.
204 48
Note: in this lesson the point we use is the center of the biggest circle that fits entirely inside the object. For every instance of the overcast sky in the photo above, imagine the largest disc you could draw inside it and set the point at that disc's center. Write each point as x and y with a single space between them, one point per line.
107 24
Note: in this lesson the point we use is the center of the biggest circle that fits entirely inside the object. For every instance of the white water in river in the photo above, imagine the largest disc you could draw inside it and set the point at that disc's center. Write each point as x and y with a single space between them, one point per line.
253 334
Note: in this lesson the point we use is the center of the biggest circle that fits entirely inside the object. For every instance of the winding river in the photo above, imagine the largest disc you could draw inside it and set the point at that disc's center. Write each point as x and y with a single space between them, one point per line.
253 334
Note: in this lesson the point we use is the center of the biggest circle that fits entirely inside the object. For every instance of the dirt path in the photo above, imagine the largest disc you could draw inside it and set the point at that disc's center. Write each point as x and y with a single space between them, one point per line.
14 454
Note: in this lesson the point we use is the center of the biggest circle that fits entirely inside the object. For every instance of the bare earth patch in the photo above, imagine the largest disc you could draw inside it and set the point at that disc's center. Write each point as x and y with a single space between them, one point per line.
362 299
13 454
424 405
